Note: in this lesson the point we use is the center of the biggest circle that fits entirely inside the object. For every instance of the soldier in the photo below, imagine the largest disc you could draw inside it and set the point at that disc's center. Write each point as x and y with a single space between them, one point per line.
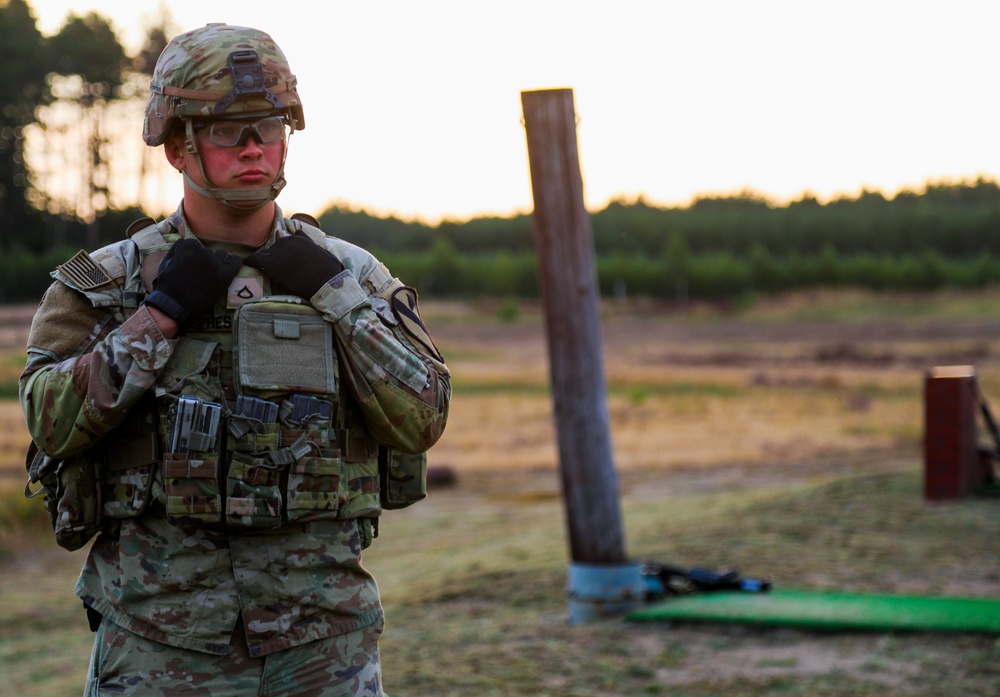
228 399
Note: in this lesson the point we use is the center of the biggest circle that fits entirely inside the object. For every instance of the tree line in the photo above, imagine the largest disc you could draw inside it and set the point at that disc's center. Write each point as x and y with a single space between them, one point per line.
716 247
955 219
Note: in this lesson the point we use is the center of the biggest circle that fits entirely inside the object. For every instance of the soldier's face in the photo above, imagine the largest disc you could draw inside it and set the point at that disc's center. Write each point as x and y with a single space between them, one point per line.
250 165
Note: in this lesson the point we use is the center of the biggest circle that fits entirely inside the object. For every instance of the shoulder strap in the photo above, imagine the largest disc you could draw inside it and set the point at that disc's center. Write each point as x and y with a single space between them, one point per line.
306 218
302 222
152 248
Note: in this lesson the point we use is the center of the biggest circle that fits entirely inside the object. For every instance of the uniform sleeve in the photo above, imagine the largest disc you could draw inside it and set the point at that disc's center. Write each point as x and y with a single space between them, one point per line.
85 370
403 392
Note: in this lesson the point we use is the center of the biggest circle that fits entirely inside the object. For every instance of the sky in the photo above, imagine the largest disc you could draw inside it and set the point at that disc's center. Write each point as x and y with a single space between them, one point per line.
414 108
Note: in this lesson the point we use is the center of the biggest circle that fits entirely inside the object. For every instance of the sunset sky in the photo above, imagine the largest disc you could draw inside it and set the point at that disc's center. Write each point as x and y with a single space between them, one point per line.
413 108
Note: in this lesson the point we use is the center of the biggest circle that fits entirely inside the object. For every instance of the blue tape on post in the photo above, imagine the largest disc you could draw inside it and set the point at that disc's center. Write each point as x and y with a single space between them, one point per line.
604 591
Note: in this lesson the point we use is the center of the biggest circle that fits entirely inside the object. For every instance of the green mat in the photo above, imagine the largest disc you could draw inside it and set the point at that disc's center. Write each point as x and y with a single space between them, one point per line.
831 611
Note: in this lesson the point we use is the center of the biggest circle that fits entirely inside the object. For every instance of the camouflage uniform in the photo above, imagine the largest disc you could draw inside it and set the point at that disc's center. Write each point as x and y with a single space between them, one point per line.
294 587
345 664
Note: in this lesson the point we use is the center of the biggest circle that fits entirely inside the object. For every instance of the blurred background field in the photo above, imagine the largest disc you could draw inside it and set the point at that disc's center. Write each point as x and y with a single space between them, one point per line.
781 435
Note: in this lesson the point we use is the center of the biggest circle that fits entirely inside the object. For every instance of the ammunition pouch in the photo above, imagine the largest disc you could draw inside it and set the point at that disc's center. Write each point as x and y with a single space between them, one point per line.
285 354
85 492
72 495
403 478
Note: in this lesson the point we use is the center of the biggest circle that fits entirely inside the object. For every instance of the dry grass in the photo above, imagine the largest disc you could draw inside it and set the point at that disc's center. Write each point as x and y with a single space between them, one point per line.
705 424
697 389
784 440
14 437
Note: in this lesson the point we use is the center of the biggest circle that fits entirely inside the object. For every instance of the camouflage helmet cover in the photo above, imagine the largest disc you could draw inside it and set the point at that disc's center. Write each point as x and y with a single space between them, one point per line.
193 78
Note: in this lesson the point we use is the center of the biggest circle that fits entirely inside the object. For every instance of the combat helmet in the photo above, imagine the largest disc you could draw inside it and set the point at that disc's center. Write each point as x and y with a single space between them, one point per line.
221 71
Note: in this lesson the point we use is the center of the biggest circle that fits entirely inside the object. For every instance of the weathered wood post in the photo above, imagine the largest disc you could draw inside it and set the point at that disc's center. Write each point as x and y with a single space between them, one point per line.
602 581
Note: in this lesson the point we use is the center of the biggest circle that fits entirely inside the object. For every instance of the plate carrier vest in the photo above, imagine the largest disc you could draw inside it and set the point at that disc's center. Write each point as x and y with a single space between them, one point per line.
293 448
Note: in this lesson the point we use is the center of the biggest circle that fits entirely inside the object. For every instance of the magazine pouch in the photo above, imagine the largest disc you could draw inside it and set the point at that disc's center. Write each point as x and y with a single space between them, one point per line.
192 422
191 471
285 355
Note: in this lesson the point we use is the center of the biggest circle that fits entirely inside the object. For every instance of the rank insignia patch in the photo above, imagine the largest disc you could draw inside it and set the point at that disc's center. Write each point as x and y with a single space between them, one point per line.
242 289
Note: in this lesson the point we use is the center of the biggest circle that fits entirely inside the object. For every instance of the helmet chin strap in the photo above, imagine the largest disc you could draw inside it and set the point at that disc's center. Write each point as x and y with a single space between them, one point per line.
262 195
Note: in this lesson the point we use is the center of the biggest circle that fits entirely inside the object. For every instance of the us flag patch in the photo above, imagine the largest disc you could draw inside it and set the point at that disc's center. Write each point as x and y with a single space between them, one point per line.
84 272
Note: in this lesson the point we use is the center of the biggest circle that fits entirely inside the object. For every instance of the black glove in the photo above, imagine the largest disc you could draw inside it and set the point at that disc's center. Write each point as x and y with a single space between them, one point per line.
191 278
296 264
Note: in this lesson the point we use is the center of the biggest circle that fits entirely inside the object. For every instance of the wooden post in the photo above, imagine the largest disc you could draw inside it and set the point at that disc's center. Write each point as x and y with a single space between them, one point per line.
571 299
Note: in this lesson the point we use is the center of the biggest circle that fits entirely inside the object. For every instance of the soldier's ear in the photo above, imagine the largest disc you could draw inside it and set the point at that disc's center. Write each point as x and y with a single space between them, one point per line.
174 150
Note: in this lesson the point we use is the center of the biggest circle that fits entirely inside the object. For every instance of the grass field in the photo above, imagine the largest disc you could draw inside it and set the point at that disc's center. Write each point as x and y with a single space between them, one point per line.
783 438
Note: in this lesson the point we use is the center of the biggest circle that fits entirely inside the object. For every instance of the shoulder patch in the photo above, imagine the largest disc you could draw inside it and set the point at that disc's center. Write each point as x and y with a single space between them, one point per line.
84 272
404 303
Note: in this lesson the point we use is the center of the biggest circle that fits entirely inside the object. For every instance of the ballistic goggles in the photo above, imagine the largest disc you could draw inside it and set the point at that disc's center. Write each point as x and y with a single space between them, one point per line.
226 133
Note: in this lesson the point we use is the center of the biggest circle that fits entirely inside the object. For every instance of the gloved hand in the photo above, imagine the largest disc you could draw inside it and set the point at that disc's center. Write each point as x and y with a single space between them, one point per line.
191 278
296 265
